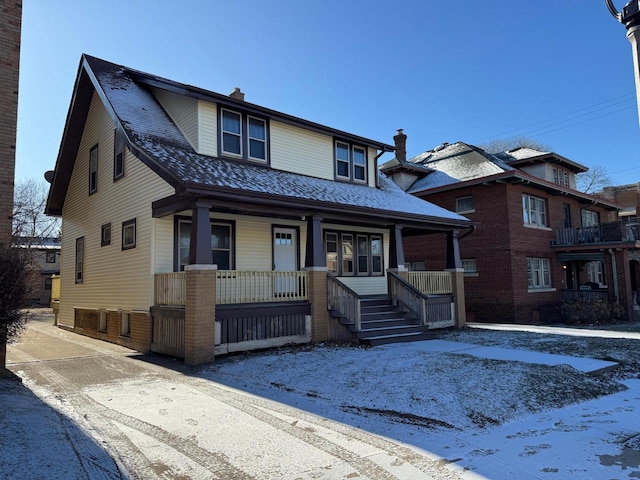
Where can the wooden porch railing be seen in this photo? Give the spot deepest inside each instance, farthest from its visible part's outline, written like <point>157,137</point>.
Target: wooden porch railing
<point>435,312</point>
<point>344,300</point>
<point>236,286</point>
<point>171,288</point>
<point>431,282</point>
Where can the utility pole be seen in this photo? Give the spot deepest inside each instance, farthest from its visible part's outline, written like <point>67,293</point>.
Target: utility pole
<point>630,18</point>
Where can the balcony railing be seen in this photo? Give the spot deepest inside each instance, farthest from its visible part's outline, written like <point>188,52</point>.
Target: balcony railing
<point>431,283</point>
<point>611,232</point>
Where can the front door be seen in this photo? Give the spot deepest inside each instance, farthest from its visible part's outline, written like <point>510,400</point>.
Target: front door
<point>285,258</point>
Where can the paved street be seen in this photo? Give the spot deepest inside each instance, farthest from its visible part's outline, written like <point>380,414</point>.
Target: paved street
<point>228,434</point>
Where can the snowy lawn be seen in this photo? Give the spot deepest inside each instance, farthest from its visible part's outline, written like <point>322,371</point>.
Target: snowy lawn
<point>406,384</point>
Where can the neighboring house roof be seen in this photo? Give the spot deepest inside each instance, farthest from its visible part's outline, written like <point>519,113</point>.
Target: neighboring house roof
<point>153,137</point>
<point>460,165</point>
<point>520,157</point>
<point>40,243</point>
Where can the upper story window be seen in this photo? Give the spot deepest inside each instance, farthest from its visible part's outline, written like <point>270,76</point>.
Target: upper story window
<point>351,162</point>
<point>93,170</point>
<point>464,204</point>
<point>534,210</point>
<point>561,177</point>
<point>589,218</point>
<point>118,156</point>
<point>50,257</point>
<point>243,136</point>
<point>105,235</point>
<point>469,265</point>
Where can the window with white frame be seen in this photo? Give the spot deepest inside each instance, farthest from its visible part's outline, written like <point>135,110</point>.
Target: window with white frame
<point>349,254</point>
<point>560,177</point>
<point>464,204</point>
<point>243,136</point>
<point>595,272</point>
<point>50,257</point>
<point>351,162</point>
<point>469,265</point>
<point>534,210</point>
<point>416,266</point>
<point>589,218</point>
<point>539,273</point>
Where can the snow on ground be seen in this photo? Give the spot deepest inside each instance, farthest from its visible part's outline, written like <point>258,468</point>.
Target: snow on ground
<point>38,442</point>
<point>498,419</point>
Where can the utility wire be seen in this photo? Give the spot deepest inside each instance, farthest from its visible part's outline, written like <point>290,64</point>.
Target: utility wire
<point>625,97</point>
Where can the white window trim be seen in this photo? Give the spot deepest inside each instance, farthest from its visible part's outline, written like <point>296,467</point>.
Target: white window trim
<point>351,165</point>
<point>469,210</point>
<point>535,212</point>
<point>543,262</point>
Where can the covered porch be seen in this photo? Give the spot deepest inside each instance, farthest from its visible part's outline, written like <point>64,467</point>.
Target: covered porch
<point>314,293</point>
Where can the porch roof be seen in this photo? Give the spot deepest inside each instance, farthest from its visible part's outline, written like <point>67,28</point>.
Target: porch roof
<point>153,137</point>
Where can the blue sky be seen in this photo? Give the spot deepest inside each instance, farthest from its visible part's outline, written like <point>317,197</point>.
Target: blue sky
<point>557,71</point>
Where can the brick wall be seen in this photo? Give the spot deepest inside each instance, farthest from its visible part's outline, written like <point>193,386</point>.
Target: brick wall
<point>87,322</point>
<point>500,245</point>
<point>10,25</point>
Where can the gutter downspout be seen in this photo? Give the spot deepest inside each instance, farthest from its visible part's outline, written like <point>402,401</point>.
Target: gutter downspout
<point>472,229</point>
<point>614,271</point>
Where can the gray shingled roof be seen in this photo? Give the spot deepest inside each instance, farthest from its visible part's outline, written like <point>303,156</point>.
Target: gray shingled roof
<point>458,162</point>
<point>150,129</point>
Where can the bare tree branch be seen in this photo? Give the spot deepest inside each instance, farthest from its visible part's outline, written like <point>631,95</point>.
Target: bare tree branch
<point>505,144</point>
<point>594,180</point>
<point>30,224</point>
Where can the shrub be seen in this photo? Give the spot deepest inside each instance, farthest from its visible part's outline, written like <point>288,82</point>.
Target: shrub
<point>599,312</point>
<point>14,293</point>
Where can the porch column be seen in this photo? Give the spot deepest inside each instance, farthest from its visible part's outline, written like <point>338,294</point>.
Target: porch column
<point>396,249</point>
<point>315,256</point>
<point>315,263</point>
<point>200,242</point>
<point>454,265</point>
<point>200,314</point>
<point>453,250</point>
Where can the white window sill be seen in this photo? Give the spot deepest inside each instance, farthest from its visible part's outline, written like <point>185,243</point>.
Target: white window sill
<point>463,212</point>
<point>536,227</point>
<point>471,274</point>
<point>540,290</point>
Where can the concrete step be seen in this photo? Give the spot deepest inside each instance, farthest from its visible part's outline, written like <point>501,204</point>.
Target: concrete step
<point>396,330</point>
<point>408,337</point>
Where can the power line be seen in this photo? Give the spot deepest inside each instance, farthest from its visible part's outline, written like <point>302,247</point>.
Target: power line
<point>570,114</point>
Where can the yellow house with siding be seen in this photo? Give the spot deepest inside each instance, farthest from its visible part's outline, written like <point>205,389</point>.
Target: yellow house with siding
<point>195,224</point>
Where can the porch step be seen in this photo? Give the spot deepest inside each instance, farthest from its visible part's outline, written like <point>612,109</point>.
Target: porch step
<point>382,322</point>
<point>406,337</point>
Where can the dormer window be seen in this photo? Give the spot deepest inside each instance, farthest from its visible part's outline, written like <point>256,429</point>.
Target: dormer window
<point>561,177</point>
<point>231,133</point>
<point>243,136</point>
<point>351,162</point>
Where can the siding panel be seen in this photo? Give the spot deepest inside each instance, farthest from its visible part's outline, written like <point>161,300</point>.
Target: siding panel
<point>208,128</point>
<point>113,278</point>
<point>183,111</point>
<point>296,150</point>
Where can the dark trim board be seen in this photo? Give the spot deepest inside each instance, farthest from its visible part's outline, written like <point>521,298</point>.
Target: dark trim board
<point>235,310</point>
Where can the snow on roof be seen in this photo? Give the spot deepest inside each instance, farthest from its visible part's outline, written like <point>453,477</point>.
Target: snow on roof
<point>150,128</point>
<point>455,163</point>
<point>521,153</point>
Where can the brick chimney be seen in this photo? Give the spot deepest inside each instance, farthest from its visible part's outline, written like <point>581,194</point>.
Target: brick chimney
<point>401,146</point>
<point>237,94</point>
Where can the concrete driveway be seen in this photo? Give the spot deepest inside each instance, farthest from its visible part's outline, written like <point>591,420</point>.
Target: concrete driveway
<point>229,435</point>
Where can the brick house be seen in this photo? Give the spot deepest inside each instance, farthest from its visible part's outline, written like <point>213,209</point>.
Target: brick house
<point>195,224</point>
<point>538,240</point>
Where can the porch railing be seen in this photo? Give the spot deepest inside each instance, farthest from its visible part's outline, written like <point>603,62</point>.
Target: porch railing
<point>431,282</point>
<point>344,300</point>
<point>435,312</point>
<point>604,233</point>
<point>171,288</point>
<point>584,296</point>
<point>237,286</point>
